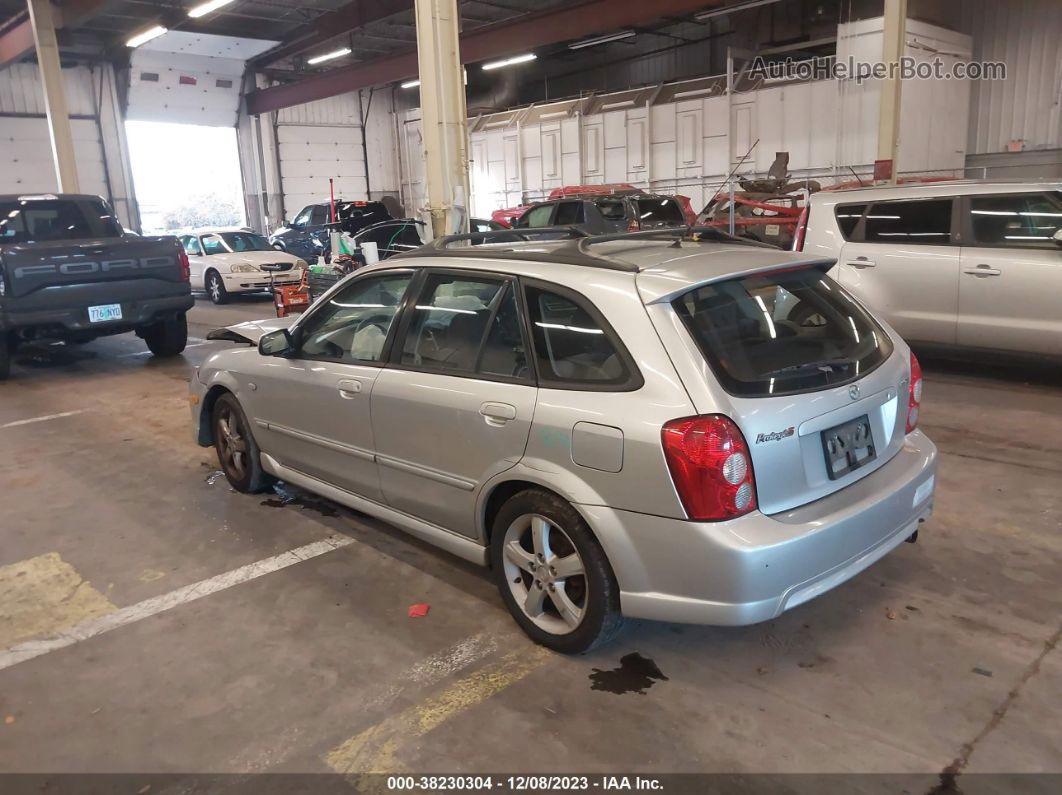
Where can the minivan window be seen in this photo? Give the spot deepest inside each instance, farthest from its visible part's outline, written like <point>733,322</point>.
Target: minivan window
<point>571,345</point>
<point>44,220</point>
<point>1017,220</point>
<point>569,213</point>
<point>848,216</point>
<point>782,332</point>
<point>660,212</point>
<point>925,222</point>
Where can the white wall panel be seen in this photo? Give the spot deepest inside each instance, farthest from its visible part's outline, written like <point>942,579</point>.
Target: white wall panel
<point>28,165</point>
<point>157,93</point>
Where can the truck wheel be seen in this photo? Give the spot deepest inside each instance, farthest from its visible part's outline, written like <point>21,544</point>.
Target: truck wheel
<point>7,353</point>
<point>215,287</point>
<point>168,337</point>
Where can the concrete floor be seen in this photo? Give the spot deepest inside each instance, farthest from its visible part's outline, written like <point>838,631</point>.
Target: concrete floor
<point>942,656</point>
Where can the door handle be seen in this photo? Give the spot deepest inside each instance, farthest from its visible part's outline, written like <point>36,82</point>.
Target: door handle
<point>983,270</point>
<point>349,388</point>
<point>497,414</point>
<point>861,262</point>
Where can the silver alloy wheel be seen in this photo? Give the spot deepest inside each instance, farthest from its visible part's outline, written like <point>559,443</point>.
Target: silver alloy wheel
<point>546,576</point>
<point>231,443</point>
<point>215,287</point>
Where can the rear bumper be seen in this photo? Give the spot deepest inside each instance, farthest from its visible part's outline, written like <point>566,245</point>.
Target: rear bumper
<point>139,312</point>
<point>754,568</point>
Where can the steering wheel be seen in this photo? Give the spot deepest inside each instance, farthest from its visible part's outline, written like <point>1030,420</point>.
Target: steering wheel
<point>380,321</point>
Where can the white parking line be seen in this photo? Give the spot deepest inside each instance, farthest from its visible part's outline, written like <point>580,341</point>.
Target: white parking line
<point>45,418</point>
<point>167,601</point>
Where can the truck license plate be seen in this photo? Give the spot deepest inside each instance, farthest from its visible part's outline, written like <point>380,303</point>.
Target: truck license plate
<point>101,314</point>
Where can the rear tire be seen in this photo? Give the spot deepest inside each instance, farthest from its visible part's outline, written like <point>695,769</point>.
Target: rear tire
<point>238,453</point>
<point>215,288</point>
<point>167,337</point>
<point>553,575</point>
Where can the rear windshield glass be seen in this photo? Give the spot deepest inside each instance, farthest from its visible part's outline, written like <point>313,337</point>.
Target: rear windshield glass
<point>43,220</point>
<point>783,332</point>
<point>659,211</point>
<point>612,210</point>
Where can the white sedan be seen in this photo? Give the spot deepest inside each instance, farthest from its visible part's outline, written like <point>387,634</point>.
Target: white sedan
<point>237,261</point>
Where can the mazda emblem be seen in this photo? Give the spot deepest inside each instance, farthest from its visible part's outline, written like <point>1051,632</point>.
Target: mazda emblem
<point>853,391</point>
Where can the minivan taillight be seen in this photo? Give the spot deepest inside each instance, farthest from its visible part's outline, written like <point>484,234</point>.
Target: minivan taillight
<point>183,265</point>
<point>710,466</point>
<point>801,228</point>
<point>914,394</point>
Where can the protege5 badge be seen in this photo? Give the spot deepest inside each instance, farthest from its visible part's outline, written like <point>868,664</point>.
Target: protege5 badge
<point>774,436</point>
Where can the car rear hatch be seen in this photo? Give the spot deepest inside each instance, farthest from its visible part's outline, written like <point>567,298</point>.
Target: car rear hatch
<point>811,379</point>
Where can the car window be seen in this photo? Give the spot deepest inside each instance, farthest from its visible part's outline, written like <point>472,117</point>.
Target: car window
<point>353,323</point>
<point>212,245</point>
<point>41,220</point>
<point>245,241</point>
<point>925,222</point>
<point>449,322</point>
<point>191,246</point>
<point>569,213</point>
<point>319,215</point>
<point>782,332</point>
<point>303,218</point>
<point>572,346</point>
<point>504,353</point>
<point>537,216</point>
<point>1020,220</point>
<point>662,212</point>
<point>612,210</point>
<point>848,216</point>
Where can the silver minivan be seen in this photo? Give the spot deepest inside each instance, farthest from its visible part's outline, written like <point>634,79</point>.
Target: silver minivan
<point>624,425</point>
<point>970,264</point>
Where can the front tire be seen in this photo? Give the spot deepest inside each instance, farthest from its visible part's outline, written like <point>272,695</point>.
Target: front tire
<point>553,575</point>
<point>215,288</point>
<point>167,337</point>
<point>238,453</point>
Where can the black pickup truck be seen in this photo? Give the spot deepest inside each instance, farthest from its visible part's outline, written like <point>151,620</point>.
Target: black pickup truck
<point>69,272</point>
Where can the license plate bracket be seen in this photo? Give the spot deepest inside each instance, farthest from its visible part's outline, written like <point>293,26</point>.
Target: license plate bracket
<point>848,446</point>
<point>105,313</point>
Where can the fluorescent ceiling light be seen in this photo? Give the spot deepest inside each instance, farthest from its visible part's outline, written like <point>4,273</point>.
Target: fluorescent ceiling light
<point>553,114</point>
<point>328,56</point>
<point>203,9</point>
<point>718,12</point>
<point>699,92</point>
<point>627,103</point>
<point>411,84</point>
<point>509,61</point>
<point>627,34</point>
<point>145,36</point>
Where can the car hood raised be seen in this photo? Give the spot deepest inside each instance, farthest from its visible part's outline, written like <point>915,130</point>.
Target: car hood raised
<point>251,331</point>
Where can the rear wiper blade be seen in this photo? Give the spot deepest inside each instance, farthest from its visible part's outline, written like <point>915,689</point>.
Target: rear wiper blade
<point>827,365</point>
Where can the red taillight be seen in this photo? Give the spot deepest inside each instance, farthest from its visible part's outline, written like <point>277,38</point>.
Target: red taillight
<point>801,228</point>
<point>710,466</point>
<point>914,394</point>
<point>183,265</point>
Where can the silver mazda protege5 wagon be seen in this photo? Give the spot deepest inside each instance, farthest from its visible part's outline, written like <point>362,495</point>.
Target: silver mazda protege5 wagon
<point>623,425</point>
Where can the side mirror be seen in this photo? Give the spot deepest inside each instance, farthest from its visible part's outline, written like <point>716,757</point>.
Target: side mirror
<point>276,343</point>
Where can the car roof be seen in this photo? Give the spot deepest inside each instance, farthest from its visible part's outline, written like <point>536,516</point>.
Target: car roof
<point>663,269</point>
<point>937,188</point>
<point>46,196</point>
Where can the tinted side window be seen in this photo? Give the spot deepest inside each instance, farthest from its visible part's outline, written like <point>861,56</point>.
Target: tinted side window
<point>504,353</point>
<point>56,219</point>
<point>569,213</point>
<point>319,215</point>
<point>612,210</point>
<point>848,216</point>
<point>537,216</point>
<point>352,327</point>
<point>925,222</point>
<point>572,346</point>
<point>1022,220</point>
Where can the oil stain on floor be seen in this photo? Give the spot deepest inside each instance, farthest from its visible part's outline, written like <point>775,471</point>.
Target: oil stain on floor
<point>286,496</point>
<point>634,675</point>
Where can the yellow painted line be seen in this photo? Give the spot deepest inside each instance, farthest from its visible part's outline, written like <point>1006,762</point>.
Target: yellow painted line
<point>44,596</point>
<point>375,750</point>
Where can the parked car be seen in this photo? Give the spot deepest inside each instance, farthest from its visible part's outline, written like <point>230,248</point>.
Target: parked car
<point>306,235</point>
<point>622,425</point>
<point>227,261</point>
<point>508,216</point>
<point>597,215</point>
<point>68,272</point>
<point>972,264</point>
